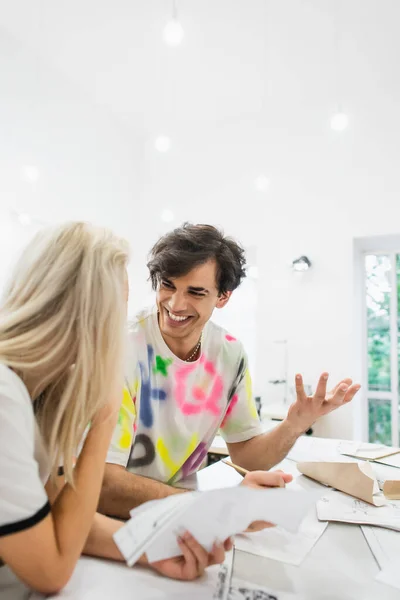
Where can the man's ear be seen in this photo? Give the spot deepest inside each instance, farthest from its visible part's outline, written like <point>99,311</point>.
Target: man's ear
<point>223,299</point>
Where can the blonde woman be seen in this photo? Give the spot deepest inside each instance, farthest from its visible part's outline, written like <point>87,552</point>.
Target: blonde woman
<point>62,327</point>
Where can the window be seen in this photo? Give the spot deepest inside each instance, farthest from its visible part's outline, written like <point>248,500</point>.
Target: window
<point>382,279</point>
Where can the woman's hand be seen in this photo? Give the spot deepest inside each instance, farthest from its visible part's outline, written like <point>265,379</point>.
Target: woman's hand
<point>194,560</point>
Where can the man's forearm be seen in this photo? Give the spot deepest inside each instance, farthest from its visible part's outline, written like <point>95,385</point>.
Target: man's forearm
<point>122,491</point>
<point>266,450</point>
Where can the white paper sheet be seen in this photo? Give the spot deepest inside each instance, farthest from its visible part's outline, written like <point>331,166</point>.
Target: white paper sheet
<point>391,461</point>
<point>313,448</point>
<point>219,514</point>
<point>212,515</point>
<point>390,574</point>
<point>337,506</point>
<point>281,545</point>
<point>366,451</point>
<point>95,579</point>
<point>384,544</point>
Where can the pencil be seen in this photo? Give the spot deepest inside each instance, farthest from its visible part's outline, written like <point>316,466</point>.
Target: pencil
<point>236,467</point>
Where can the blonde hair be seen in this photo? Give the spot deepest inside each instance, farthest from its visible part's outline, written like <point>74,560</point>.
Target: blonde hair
<point>62,324</point>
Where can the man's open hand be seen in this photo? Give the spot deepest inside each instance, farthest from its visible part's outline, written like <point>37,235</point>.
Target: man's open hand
<point>307,409</point>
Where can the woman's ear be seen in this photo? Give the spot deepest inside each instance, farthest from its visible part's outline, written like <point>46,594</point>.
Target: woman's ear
<point>223,299</point>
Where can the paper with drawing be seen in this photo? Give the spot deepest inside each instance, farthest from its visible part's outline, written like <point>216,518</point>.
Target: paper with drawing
<point>356,479</point>
<point>337,506</point>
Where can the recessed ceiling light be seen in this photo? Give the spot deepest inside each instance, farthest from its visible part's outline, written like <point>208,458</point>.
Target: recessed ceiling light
<point>262,183</point>
<point>339,121</point>
<point>167,215</point>
<point>162,143</point>
<point>173,32</point>
<point>30,173</point>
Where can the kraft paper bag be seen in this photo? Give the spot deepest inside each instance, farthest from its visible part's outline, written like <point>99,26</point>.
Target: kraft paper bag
<point>391,489</point>
<point>355,479</point>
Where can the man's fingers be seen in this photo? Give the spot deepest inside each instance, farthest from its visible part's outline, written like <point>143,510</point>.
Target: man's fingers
<point>347,381</point>
<point>351,392</point>
<point>258,526</point>
<point>320,392</point>
<point>301,395</point>
<point>343,395</point>
<point>228,544</point>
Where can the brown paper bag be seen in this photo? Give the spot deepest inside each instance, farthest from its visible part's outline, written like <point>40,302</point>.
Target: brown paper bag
<point>355,479</point>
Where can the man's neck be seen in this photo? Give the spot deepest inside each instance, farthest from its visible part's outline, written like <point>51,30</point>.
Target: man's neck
<point>182,348</point>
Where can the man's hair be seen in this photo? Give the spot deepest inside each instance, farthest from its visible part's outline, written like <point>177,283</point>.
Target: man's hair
<point>187,247</point>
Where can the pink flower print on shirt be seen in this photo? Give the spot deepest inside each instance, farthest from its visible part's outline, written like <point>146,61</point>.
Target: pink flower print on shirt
<point>230,338</point>
<point>204,402</point>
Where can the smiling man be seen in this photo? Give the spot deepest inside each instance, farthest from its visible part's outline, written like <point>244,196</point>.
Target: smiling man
<point>187,378</point>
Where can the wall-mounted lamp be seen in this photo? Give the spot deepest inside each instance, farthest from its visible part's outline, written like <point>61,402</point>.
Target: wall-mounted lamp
<point>301,264</point>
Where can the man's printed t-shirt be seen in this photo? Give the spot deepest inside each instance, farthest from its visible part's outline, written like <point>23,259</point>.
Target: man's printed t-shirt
<point>172,409</point>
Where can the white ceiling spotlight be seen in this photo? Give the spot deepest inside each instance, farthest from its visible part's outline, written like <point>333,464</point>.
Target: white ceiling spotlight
<point>162,143</point>
<point>30,173</point>
<point>262,183</point>
<point>167,215</point>
<point>301,264</point>
<point>173,30</point>
<point>339,121</point>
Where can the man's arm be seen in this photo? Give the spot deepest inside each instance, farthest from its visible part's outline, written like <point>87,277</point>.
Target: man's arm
<point>268,449</point>
<point>122,491</point>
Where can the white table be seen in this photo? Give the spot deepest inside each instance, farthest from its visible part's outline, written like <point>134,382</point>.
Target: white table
<point>339,567</point>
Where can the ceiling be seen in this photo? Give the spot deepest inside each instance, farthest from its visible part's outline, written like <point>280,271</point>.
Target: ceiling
<point>250,90</point>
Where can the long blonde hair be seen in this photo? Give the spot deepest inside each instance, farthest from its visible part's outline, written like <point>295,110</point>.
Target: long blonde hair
<point>62,325</point>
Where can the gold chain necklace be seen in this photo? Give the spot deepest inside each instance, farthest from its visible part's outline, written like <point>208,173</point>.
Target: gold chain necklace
<point>194,351</point>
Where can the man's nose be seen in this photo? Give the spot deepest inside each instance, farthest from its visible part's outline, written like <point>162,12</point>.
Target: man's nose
<point>177,302</point>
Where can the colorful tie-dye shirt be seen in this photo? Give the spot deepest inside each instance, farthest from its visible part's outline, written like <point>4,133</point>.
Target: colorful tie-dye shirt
<point>172,409</point>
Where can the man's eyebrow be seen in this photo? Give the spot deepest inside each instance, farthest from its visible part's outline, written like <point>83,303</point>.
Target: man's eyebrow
<point>197,289</point>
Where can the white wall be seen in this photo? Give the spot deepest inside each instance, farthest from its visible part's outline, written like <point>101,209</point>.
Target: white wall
<point>89,165</point>
<point>318,311</point>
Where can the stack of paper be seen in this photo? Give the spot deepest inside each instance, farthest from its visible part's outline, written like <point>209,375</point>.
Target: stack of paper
<point>215,515</point>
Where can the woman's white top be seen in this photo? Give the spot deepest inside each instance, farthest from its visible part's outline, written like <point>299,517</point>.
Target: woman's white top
<point>24,469</point>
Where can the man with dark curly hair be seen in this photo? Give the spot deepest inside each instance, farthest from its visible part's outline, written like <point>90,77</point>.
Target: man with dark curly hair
<point>187,378</point>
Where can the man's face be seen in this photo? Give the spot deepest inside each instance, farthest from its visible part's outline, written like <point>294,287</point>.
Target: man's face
<point>186,303</point>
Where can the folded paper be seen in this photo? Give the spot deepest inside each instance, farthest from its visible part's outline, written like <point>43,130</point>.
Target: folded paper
<point>355,479</point>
